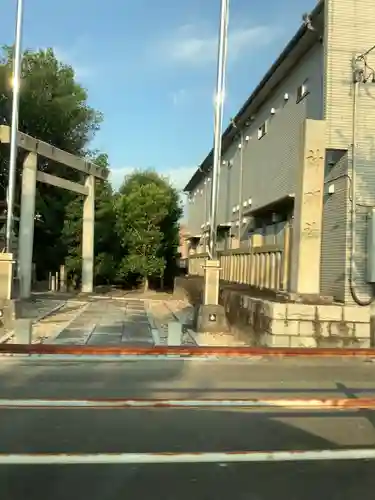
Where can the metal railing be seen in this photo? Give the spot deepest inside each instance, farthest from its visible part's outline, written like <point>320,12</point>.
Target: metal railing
<point>196,263</point>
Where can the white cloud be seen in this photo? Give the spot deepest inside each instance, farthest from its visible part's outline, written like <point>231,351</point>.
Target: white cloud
<point>73,58</point>
<point>192,45</point>
<point>179,176</point>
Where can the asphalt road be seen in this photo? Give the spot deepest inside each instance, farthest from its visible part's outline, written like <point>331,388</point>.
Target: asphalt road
<point>23,431</point>
<point>328,481</point>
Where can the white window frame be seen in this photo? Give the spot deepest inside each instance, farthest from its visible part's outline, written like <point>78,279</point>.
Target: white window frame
<point>303,90</point>
<point>262,130</point>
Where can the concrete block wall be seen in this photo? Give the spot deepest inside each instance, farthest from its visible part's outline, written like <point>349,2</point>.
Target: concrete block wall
<point>268,323</point>
<point>276,324</point>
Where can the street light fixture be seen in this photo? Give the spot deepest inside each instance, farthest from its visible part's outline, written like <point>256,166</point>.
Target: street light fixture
<point>16,80</point>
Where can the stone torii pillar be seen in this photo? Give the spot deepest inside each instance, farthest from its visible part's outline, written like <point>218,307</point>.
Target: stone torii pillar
<point>26,231</point>
<point>88,236</point>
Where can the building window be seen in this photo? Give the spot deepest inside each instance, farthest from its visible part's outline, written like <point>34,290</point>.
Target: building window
<point>262,130</point>
<point>302,90</point>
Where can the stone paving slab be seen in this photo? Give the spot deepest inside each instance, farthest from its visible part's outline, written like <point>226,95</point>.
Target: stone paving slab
<point>109,322</point>
<point>137,328</point>
<point>38,308</point>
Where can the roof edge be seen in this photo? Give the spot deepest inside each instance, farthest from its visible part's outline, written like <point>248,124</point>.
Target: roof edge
<point>282,57</point>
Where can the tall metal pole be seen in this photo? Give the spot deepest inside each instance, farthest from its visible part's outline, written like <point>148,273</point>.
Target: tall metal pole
<point>218,123</point>
<point>240,189</point>
<point>14,125</point>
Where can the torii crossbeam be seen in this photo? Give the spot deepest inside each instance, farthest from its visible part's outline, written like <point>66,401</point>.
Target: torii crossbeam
<point>30,176</point>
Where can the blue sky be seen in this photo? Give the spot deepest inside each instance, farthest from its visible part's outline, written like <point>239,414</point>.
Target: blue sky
<point>149,66</point>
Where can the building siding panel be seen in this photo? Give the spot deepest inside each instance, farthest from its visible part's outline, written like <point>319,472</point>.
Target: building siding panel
<point>348,32</point>
<point>270,163</point>
<point>196,210</point>
<point>333,270</point>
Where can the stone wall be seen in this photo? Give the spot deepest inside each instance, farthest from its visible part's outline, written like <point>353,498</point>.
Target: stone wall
<point>262,321</point>
<point>275,324</point>
<point>8,311</point>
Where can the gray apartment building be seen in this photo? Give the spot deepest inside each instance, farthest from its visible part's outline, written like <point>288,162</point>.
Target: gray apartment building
<point>300,156</point>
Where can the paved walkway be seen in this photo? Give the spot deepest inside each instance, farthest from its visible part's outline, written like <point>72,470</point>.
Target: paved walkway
<point>117,319</point>
<point>109,322</point>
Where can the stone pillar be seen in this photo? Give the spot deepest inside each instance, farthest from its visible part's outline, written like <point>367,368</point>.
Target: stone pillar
<point>6,276</point>
<point>211,282</point>
<point>26,233</point>
<point>63,284</point>
<point>307,223</point>
<point>235,243</point>
<point>53,282</point>
<point>88,237</point>
<point>210,317</point>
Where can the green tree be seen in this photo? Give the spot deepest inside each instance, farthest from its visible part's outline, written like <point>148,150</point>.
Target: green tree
<point>53,108</point>
<point>148,212</point>
<point>106,244</point>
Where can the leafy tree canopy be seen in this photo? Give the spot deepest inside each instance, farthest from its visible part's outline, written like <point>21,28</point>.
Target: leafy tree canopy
<point>53,108</point>
<point>148,212</point>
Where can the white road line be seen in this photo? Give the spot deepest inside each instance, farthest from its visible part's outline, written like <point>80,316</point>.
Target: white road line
<point>188,458</point>
<point>336,404</point>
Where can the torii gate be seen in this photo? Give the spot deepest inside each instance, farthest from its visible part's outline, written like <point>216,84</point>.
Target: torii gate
<point>30,176</point>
